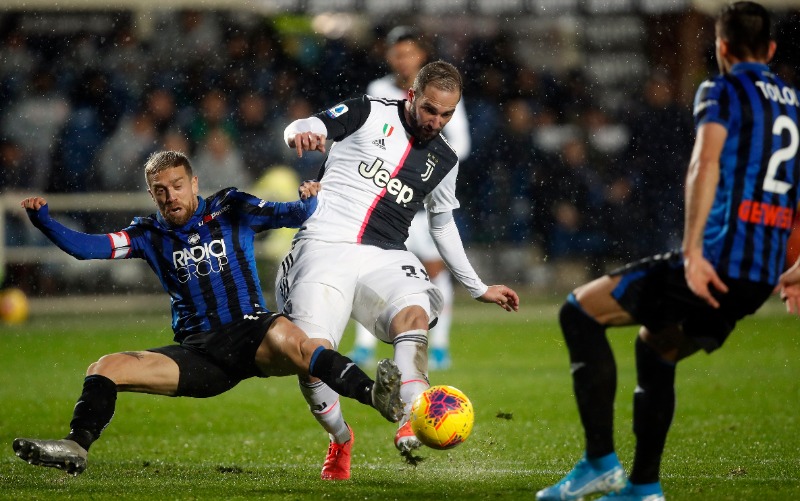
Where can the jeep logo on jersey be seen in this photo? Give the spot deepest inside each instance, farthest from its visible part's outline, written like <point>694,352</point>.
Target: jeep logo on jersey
<point>200,260</point>
<point>383,179</point>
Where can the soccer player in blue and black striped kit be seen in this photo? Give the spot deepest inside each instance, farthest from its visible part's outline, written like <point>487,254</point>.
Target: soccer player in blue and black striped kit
<point>741,194</point>
<point>202,251</point>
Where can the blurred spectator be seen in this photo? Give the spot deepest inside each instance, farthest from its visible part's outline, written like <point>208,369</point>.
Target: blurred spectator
<point>174,140</point>
<point>185,37</point>
<point>34,121</point>
<point>17,63</point>
<point>578,196</point>
<point>508,197</point>
<point>622,221</point>
<point>529,175</point>
<point>214,113</point>
<point>93,118</point>
<point>252,124</point>
<point>219,164</point>
<point>80,55</point>
<point>268,56</point>
<point>160,105</point>
<point>118,164</point>
<point>575,96</point>
<point>128,64</point>
<point>18,171</point>
<point>659,154</point>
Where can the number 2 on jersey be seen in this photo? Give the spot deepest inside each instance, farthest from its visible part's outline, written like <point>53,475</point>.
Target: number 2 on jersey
<point>782,155</point>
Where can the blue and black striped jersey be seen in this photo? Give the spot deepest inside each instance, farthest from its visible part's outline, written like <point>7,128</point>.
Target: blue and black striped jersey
<point>208,265</point>
<point>751,217</point>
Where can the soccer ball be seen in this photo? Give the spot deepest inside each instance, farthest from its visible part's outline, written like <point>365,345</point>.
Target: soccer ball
<point>13,306</point>
<point>442,417</point>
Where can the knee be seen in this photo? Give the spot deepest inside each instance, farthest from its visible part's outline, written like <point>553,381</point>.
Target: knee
<point>309,345</point>
<point>105,366</point>
<point>669,345</point>
<point>409,318</point>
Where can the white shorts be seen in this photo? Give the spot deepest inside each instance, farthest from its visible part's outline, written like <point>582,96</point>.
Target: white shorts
<point>321,285</point>
<point>420,241</point>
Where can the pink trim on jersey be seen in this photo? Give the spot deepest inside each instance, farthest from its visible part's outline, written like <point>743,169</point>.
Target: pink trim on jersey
<point>383,192</point>
<point>120,244</point>
<point>414,381</point>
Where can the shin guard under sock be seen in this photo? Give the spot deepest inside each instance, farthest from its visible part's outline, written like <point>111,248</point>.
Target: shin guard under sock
<point>653,409</point>
<point>594,376</point>
<point>93,411</point>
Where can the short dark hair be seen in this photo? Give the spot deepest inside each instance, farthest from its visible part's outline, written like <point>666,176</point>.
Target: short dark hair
<point>163,160</point>
<point>746,28</point>
<point>441,75</point>
<point>401,34</point>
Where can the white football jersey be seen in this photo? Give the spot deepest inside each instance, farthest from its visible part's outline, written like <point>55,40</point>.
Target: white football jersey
<point>378,175</point>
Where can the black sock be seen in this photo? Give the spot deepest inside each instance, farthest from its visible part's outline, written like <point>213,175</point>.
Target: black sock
<point>594,377</point>
<point>342,375</point>
<point>653,408</point>
<point>94,410</point>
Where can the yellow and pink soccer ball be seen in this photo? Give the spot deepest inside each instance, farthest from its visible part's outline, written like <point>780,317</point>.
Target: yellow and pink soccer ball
<point>442,417</point>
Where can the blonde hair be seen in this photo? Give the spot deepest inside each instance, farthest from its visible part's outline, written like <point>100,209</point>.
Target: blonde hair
<point>163,160</point>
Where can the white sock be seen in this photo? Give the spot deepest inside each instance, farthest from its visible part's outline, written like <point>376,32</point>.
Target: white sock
<point>411,357</point>
<point>439,336</point>
<point>324,405</point>
<point>364,338</point>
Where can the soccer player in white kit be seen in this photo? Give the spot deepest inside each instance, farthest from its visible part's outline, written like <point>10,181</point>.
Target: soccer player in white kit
<point>406,54</point>
<point>388,160</point>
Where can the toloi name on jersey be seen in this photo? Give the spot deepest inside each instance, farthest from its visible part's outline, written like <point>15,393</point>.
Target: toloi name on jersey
<point>383,179</point>
<point>200,260</point>
<point>785,95</point>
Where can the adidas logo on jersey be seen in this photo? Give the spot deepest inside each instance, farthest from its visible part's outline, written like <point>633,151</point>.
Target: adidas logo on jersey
<point>379,143</point>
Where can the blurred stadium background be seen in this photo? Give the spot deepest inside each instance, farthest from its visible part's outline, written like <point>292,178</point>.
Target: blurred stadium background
<point>580,115</point>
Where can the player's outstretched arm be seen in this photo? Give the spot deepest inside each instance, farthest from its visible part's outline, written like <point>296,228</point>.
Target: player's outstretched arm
<point>76,244</point>
<point>503,296</point>
<point>789,285</point>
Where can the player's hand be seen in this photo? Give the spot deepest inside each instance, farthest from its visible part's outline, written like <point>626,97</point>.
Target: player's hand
<point>700,274</point>
<point>789,286</point>
<point>33,203</point>
<point>307,141</point>
<point>309,189</point>
<point>503,296</point>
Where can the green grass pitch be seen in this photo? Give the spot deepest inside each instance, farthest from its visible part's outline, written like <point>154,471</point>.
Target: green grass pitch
<point>736,434</point>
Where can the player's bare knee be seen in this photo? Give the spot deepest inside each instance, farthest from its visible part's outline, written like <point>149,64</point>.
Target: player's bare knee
<point>109,365</point>
<point>409,318</point>
<point>670,343</point>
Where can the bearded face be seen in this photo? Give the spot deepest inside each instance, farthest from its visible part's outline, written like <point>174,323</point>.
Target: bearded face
<point>175,194</point>
<point>429,111</point>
